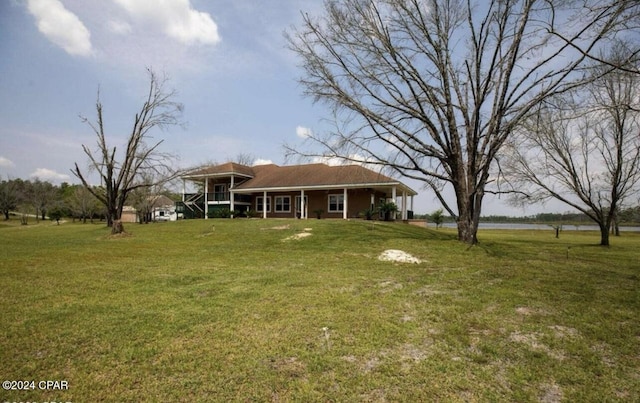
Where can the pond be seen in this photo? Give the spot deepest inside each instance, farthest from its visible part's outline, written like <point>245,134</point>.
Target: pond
<point>524,226</point>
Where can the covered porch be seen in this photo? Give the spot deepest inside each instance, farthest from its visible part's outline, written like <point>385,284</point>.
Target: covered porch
<point>326,202</point>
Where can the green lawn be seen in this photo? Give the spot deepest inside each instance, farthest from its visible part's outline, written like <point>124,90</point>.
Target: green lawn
<point>232,310</point>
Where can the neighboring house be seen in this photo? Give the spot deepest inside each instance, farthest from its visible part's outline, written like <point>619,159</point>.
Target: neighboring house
<point>295,191</point>
<point>161,208</point>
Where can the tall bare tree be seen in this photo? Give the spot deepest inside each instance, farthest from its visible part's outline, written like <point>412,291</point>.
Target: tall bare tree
<point>122,173</point>
<point>433,88</point>
<point>583,150</point>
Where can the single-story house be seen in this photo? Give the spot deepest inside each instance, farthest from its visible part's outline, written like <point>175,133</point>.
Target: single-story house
<point>293,191</point>
<point>159,208</point>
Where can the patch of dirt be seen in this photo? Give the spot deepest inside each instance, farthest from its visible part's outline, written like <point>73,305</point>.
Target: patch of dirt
<point>279,227</point>
<point>563,332</point>
<point>389,285</point>
<point>428,291</point>
<point>406,318</point>
<point>298,236</point>
<point>370,364</point>
<point>375,395</point>
<point>289,365</point>
<point>121,235</point>
<point>528,311</point>
<point>406,355</point>
<point>399,256</point>
<point>532,341</point>
<point>409,352</point>
<point>604,351</point>
<point>550,393</point>
<point>364,365</point>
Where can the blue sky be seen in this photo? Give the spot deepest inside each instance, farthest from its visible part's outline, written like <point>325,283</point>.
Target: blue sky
<point>227,60</point>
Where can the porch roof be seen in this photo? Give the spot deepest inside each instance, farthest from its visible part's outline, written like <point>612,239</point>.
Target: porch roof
<point>227,169</point>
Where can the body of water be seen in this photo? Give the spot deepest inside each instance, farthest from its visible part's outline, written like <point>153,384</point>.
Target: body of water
<point>523,226</point>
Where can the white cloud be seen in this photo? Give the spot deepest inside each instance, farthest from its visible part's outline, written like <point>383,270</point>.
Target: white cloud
<point>49,175</point>
<point>176,18</point>
<point>6,162</point>
<point>261,161</point>
<point>61,26</point>
<point>351,159</point>
<point>303,132</point>
<point>119,27</point>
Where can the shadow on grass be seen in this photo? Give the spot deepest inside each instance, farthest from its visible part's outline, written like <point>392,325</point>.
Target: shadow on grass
<point>400,230</point>
<point>528,248</point>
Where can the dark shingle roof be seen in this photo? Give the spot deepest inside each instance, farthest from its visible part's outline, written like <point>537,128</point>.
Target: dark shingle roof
<point>273,176</point>
<point>264,177</point>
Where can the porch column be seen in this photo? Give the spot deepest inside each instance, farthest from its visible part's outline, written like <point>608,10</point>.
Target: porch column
<point>303,206</point>
<point>184,189</point>
<point>345,205</point>
<point>264,204</point>
<point>206,200</point>
<point>394,196</point>
<point>411,204</point>
<point>373,201</point>
<point>404,205</point>
<point>232,206</point>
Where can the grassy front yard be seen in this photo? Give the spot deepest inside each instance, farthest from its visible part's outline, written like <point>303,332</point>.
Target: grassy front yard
<point>249,310</point>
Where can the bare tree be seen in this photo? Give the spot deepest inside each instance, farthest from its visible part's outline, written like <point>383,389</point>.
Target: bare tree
<point>42,195</point>
<point>433,88</point>
<point>244,159</point>
<point>121,174</point>
<point>583,151</point>
<point>144,198</point>
<point>83,203</point>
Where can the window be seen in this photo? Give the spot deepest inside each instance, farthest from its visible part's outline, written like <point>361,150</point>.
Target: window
<point>259,204</point>
<point>336,203</point>
<point>283,204</point>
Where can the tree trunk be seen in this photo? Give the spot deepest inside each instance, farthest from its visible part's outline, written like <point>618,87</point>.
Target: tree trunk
<point>117,227</point>
<point>467,229</point>
<point>604,235</point>
<point>615,227</point>
<point>469,206</point>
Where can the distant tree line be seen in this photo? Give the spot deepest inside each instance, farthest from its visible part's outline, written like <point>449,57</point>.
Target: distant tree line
<point>41,200</point>
<point>628,216</point>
